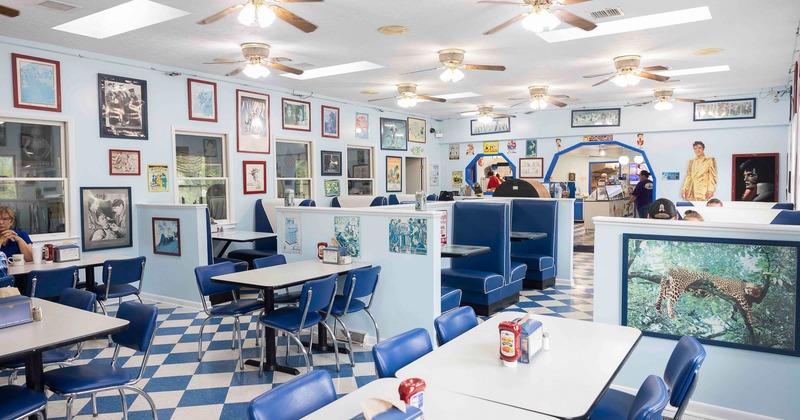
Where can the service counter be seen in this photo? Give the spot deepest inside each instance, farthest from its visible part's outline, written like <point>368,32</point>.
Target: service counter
<point>610,208</point>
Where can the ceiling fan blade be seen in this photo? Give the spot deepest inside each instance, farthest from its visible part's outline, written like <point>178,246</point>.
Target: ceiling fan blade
<point>7,11</point>
<point>568,2</point>
<point>469,113</point>
<point>420,71</point>
<point>503,2</point>
<point>654,68</point>
<point>297,1</point>
<point>237,71</point>
<point>688,100</point>
<point>605,80</point>
<point>598,75</point>
<point>484,67</point>
<point>220,15</point>
<point>281,67</point>
<point>652,76</point>
<point>509,22</point>
<point>558,96</point>
<point>224,61</point>
<point>381,99</point>
<point>293,19</point>
<point>431,98</point>
<point>503,116</point>
<point>555,102</point>
<point>520,103</point>
<point>574,20</point>
<point>641,103</point>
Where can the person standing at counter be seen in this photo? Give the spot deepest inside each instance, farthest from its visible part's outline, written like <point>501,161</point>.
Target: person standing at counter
<point>13,241</point>
<point>494,181</point>
<point>642,195</point>
<point>701,175</point>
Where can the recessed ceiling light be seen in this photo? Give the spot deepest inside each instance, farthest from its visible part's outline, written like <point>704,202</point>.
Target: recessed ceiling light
<point>393,30</point>
<point>334,70</point>
<point>459,95</point>
<point>117,20</point>
<point>697,70</point>
<point>658,20</point>
<point>708,51</point>
<point>369,92</point>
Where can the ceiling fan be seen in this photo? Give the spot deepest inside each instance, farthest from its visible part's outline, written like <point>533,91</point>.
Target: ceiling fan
<point>543,16</point>
<point>7,11</point>
<point>486,114</point>
<point>664,99</point>
<point>255,54</point>
<point>263,13</point>
<point>408,96</point>
<point>539,98</point>
<point>628,72</point>
<point>452,60</point>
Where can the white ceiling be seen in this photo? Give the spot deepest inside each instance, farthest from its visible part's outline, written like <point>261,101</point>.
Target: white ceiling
<point>758,39</point>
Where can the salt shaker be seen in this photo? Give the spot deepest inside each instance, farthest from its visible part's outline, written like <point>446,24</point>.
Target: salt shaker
<point>36,311</point>
<point>420,201</point>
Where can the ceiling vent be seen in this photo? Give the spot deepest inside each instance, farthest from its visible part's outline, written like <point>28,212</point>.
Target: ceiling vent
<point>610,12</point>
<point>57,5</point>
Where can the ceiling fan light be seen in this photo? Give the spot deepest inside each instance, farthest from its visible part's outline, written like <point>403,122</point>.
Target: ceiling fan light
<point>623,160</point>
<point>451,74</point>
<point>255,71</point>
<point>632,80</point>
<point>620,81</point>
<point>248,14</point>
<point>265,16</point>
<point>485,119</point>
<point>602,152</point>
<point>663,105</point>
<point>638,159</point>
<point>406,102</point>
<point>539,21</point>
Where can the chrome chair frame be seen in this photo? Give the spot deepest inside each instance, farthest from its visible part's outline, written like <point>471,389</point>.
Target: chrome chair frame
<point>107,282</point>
<point>338,318</point>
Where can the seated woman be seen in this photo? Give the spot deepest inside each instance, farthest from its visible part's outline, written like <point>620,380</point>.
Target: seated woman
<point>13,241</point>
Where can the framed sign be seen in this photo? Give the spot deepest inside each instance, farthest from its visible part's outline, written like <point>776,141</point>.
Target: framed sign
<point>416,130</point>
<point>394,173</point>
<point>255,177</point>
<point>105,218</point>
<point>252,122</point>
<point>330,122</point>
<point>595,117</point>
<point>296,115</point>
<point>202,100</point>
<point>332,188</point>
<point>531,168</point>
<point>157,178</point>
<point>124,162</point>
<point>393,134</point>
<point>167,236</point>
<point>331,163</point>
<point>498,125</point>
<point>736,109</point>
<point>37,83</point>
<point>755,177</point>
<point>123,107</point>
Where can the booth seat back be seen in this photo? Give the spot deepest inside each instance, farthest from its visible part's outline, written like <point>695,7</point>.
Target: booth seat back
<point>484,224</point>
<point>535,216</point>
<point>265,218</point>
<point>783,206</point>
<point>399,198</point>
<point>359,201</point>
<point>787,217</point>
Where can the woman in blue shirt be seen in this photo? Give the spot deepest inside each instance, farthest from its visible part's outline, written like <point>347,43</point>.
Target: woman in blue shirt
<point>13,241</point>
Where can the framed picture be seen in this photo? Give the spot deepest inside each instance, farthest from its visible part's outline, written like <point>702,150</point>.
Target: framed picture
<point>37,146</point>
<point>123,107</point>
<point>595,117</point>
<point>211,147</point>
<point>297,115</point>
<point>755,177</point>
<point>394,173</point>
<point>531,148</point>
<point>106,218</point>
<point>167,236</point>
<point>361,171</point>
<point>332,188</point>
<point>330,122</point>
<point>157,178</point>
<point>255,177</point>
<point>37,83</point>
<point>737,109</point>
<point>416,130</point>
<point>393,134</point>
<point>8,189</point>
<point>202,100</point>
<point>531,168</point>
<point>716,290</point>
<point>124,162</point>
<point>433,176</point>
<point>454,151</point>
<point>362,125</point>
<point>491,147</point>
<point>331,163</point>
<point>498,125</point>
<point>252,122</point>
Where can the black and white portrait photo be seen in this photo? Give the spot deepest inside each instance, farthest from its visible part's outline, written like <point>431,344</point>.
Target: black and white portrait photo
<point>105,218</point>
<point>123,107</point>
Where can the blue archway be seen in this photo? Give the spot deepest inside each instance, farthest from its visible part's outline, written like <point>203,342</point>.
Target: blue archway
<point>471,176</point>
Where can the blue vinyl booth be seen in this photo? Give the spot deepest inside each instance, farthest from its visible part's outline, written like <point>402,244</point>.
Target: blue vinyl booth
<point>486,280</point>
<point>539,255</point>
<point>377,201</point>
<point>262,247</point>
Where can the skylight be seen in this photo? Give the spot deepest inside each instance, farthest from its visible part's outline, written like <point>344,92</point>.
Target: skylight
<point>117,20</point>
<point>334,70</point>
<point>697,70</point>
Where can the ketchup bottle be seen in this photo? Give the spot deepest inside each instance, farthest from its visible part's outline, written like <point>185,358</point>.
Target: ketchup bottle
<point>411,391</point>
<point>509,342</point>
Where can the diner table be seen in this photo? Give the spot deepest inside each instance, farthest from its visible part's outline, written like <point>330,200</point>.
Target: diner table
<point>458,251</point>
<point>281,276</point>
<point>88,262</point>
<point>564,382</point>
<point>230,236</point>
<point>438,403</point>
<point>519,236</point>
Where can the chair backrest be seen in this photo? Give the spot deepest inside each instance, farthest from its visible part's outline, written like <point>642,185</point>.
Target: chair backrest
<point>294,399</point>
<point>204,273</point>
<point>335,202</point>
<point>684,204</point>
<point>322,292</point>
<point>451,324</point>
<point>395,353</point>
<point>432,197</point>
<point>51,283</point>
<point>393,200</point>
<point>123,271</point>
<point>379,201</point>
<point>7,281</point>
<point>362,281</point>
<point>787,217</point>
<point>535,216</point>
<point>471,226</point>
<point>142,327</point>
<point>308,203</point>
<point>650,401</point>
<point>681,371</point>
<point>78,299</point>
<point>269,261</point>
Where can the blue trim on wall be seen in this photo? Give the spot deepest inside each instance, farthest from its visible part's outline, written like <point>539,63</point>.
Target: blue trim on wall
<point>470,175</point>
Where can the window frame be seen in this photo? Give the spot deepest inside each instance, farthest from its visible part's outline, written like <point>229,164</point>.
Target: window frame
<point>226,167</point>
<point>311,165</point>
<point>371,167</point>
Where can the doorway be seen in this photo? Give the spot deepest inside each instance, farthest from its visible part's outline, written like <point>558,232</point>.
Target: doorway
<point>415,174</point>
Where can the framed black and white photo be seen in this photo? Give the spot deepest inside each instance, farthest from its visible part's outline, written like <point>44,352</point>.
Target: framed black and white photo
<point>106,218</point>
<point>255,177</point>
<point>497,125</point>
<point>393,134</point>
<point>167,236</point>
<point>252,122</point>
<point>531,168</point>
<point>296,115</point>
<point>123,107</point>
<point>124,162</point>
<point>330,122</point>
<point>595,117</point>
<point>331,163</point>
<point>737,109</point>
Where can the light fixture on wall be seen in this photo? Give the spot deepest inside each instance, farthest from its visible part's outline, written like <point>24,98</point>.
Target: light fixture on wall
<point>638,159</point>
<point>602,152</point>
<point>255,12</point>
<point>623,160</point>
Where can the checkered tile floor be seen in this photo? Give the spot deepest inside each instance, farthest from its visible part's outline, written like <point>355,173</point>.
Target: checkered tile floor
<point>215,388</point>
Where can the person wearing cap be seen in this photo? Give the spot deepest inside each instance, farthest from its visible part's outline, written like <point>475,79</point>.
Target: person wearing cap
<point>701,175</point>
<point>663,209</point>
<point>642,195</point>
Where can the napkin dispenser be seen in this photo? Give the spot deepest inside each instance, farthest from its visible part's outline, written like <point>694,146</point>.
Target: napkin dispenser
<point>63,253</point>
<point>330,255</point>
<point>15,310</point>
<point>531,338</point>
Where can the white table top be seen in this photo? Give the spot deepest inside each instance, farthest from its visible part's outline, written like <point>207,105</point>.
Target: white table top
<point>90,259</point>
<point>438,404</point>
<point>241,235</point>
<point>564,382</point>
<point>60,325</point>
<point>286,275</point>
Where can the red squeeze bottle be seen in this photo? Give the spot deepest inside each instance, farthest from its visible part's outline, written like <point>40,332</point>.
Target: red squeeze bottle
<point>509,342</point>
<point>411,391</point>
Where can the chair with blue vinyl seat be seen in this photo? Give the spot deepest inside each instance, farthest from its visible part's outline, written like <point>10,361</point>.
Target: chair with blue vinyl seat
<point>360,284</point>
<point>261,247</point>
<point>234,308</point>
<point>122,277</point>
<point>18,402</point>
<point>451,298</point>
<point>540,255</point>
<point>308,203</point>
<point>316,296</point>
<point>7,281</point>
<point>648,404</point>
<point>454,323</point>
<point>71,382</point>
<point>294,399</point>
<point>49,284</point>
<point>289,297</point>
<point>680,376</point>
<point>396,352</point>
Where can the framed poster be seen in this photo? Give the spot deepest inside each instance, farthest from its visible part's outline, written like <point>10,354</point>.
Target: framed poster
<point>723,291</point>
<point>123,107</point>
<point>157,178</point>
<point>393,134</point>
<point>37,146</point>
<point>491,147</point>
<point>37,83</point>
<point>296,115</point>
<point>330,122</point>
<point>531,168</point>
<point>755,177</point>
<point>738,109</point>
<point>255,177</point>
<point>252,122</point>
<point>361,171</point>
<point>202,100</point>
<point>454,152</point>
<point>105,218</point>
<point>394,173</point>
<point>595,117</point>
<point>434,176</point>
<point>531,147</point>
<point>498,125</point>
<point>167,236</point>
<point>332,188</point>
<point>416,130</point>
<point>362,125</point>
<point>331,163</point>
<point>124,162</point>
